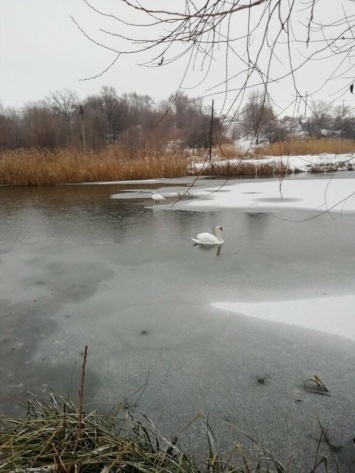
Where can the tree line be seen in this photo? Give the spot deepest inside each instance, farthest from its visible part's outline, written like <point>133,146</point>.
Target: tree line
<point>259,120</point>
<point>132,120</point>
<point>136,121</point>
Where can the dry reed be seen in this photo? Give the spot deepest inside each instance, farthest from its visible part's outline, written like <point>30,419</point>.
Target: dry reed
<point>34,166</point>
<point>60,166</point>
<point>46,440</point>
<point>55,436</point>
<point>228,151</point>
<point>307,146</point>
<point>244,168</point>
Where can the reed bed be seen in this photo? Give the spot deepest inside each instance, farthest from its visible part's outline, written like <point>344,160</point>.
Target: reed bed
<point>61,166</point>
<point>244,168</point>
<point>223,166</point>
<point>25,167</point>
<point>229,151</point>
<point>307,146</point>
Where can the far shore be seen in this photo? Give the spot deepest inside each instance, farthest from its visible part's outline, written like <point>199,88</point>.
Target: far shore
<point>42,166</point>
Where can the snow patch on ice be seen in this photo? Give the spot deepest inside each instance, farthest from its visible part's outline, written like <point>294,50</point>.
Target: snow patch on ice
<point>315,194</point>
<point>332,315</point>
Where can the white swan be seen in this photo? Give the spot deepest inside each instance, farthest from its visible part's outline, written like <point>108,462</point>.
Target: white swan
<point>187,194</point>
<point>157,197</point>
<point>209,239</point>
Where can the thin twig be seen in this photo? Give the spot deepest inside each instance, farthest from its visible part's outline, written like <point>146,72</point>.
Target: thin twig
<point>81,397</point>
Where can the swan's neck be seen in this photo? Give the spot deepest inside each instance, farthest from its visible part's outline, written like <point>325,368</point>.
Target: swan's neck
<point>218,234</point>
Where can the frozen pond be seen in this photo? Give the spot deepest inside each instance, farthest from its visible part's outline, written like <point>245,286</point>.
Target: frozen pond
<point>233,333</point>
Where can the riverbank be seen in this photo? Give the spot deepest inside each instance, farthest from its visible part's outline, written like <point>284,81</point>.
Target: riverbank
<point>54,436</point>
<point>36,167</point>
<point>276,165</point>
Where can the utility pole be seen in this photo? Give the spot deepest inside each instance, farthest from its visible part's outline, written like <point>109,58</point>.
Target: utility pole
<point>81,111</point>
<point>305,102</point>
<point>211,131</point>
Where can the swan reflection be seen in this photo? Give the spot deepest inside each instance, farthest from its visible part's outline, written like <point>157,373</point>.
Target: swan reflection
<point>217,248</point>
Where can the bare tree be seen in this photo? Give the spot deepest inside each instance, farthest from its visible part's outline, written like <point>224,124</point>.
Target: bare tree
<point>258,117</point>
<point>112,112</point>
<point>39,126</point>
<point>343,121</point>
<point>95,122</point>
<point>255,43</point>
<point>11,135</point>
<point>63,102</point>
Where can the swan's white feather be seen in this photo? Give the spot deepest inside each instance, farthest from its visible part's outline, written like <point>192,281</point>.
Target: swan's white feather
<point>208,238</point>
<point>157,197</point>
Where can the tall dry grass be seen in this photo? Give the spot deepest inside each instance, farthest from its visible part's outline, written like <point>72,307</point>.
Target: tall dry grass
<point>307,146</point>
<point>228,151</point>
<point>243,168</point>
<point>55,436</point>
<point>61,166</point>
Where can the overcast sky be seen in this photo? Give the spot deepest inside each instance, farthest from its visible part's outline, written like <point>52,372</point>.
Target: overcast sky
<point>42,50</point>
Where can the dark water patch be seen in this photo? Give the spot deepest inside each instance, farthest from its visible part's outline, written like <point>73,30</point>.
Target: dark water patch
<point>277,199</point>
<point>25,368</point>
<point>20,334</point>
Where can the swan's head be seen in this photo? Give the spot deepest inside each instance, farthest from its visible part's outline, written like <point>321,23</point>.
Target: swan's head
<point>219,228</point>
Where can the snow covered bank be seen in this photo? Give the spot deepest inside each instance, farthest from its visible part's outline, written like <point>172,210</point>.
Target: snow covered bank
<point>303,163</point>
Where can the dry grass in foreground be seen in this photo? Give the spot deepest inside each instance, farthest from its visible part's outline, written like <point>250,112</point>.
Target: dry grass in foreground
<point>56,437</point>
<point>61,166</point>
<point>307,146</point>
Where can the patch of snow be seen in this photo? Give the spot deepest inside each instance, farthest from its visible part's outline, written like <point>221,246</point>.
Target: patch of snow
<point>333,315</point>
<point>297,162</point>
<point>245,144</point>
